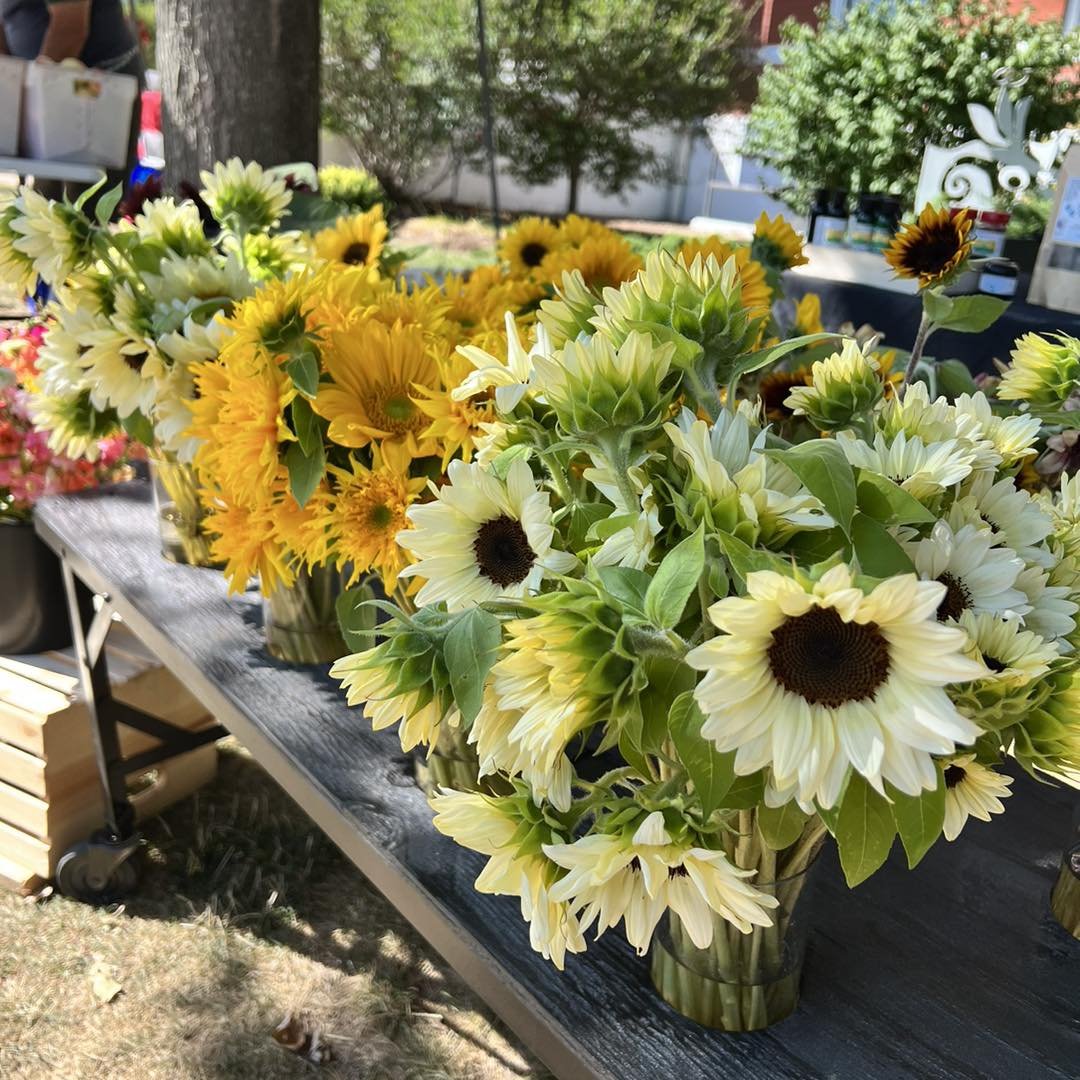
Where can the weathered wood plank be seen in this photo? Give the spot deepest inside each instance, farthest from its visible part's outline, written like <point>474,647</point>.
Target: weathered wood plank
<point>952,971</point>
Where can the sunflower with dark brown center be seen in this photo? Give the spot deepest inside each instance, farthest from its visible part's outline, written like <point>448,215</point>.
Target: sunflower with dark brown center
<point>811,679</point>
<point>502,551</point>
<point>933,249</point>
<point>774,389</point>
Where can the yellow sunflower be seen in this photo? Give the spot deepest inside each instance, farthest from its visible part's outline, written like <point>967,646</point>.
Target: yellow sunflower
<point>238,413</point>
<point>422,306</point>
<point>777,244</point>
<point>808,316</point>
<point>601,261</point>
<point>574,230</point>
<point>366,513</point>
<point>756,292</point>
<point>374,372</point>
<point>456,425</point>
<point>356,240</point>
<point>525,246</point>
<point>246,543</point>
<point>773,391</point>
<point>479,302</point>
<point>302,530</point>
<point>933,249</point>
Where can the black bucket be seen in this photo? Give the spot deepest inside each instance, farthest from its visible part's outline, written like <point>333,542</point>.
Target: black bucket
<point>33,608</point>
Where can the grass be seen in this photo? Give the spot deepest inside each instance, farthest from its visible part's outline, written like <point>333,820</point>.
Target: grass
<point>245,913</point>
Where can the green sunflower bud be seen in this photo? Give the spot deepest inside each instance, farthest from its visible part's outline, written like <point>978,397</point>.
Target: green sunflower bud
<point>844,387</point>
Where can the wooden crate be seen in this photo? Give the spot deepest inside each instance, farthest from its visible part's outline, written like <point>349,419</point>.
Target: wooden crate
<point>50,792</point>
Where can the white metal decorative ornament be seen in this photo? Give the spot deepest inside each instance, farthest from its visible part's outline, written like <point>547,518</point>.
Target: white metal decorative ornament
<point>956,172</point>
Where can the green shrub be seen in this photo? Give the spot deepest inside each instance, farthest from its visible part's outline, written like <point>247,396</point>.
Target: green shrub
<point>354,188</point>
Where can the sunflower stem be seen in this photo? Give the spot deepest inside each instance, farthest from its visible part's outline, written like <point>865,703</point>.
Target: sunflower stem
<point>706,395</point>
<point>926,328</point>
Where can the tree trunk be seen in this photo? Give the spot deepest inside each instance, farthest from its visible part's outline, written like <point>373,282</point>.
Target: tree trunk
<point>574,172</point>
<point>238,79</point>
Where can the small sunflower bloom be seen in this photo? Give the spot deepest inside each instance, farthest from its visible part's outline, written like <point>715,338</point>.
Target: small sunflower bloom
<point>1044,371</point>
<point>357,240</point>
<point>932,249</point>
<point>842,388</point>
<point>525,246</point>
<point>776,243</point>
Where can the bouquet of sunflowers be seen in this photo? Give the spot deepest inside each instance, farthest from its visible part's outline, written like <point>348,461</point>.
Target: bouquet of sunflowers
<point>689,641</point>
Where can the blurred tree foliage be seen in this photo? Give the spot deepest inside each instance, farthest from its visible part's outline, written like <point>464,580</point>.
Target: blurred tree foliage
<point>852,104</point>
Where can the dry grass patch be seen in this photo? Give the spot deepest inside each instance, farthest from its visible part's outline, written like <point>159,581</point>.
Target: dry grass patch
<point>245,914</point>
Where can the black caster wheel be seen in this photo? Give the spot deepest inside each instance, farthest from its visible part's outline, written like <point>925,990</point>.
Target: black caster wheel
<point>96,872</point>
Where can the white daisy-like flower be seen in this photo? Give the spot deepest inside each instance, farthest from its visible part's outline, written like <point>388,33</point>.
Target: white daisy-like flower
<point>1010,653</point>
<point>482,538</point>
<point>176,226</point>
<point>632,544</point>
<point>1010,511</point>
<point>245,196</point>
<point>972,790</point>
<point>368,681</point>
<point>482,824</point>
<point>921,469</point>
<point>810,680</point>
<point>634,878</point>
<point>1052,611</point>
<point>60,360</point>
<point>1013,437</point>
<point>16,268</point>
<point>121,372</point>
<point>54,237</point>
<point>194,279</point>
<point>510,380</point>
<point>977,575</point>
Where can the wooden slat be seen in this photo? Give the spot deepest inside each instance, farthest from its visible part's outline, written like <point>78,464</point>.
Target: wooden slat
<point>949,972</point>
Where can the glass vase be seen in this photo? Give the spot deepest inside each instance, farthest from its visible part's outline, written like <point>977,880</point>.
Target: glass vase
<point>741,982</point>
<point>1065,897</point>
<point>300,620</point>
<point>180,513</point>
<point>451,763</point>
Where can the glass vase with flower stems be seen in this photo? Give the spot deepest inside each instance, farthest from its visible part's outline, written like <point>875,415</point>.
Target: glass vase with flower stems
<point>744,981</point>
<point>300,620</point>
<point>181,514</point>
<point>1065,896</point>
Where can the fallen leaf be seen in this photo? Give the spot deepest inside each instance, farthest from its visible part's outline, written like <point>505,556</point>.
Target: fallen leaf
<point>296,1034</point>
<point>103,981</point>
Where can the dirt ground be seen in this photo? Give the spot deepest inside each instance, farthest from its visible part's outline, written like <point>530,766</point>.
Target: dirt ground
<point>245,915</point>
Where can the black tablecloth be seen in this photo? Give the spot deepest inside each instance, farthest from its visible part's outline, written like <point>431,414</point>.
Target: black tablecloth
<point>897,316</point>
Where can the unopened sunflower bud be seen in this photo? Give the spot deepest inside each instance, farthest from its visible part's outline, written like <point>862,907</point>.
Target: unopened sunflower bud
<point>842,388</point>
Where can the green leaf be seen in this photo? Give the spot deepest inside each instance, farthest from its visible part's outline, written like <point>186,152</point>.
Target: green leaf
<point>824,471</point>
<point>469,651</point>
<point>878,553</point>
<point>963,314</point>
<point>626,585</point>
<point>303,368</point>
<point>781,826</point>
<point>864,831</point>
<point>711,772</point>
<point>500,466</point>
<point>919,820</point>
<point>675,580</point>
<point>583,515</point>
<point>668,681</point>
<point>954,379</point>
<point>887,502</point>
<point>746,560</point>
<point>745,792</point>
<point>763,357</point>
<point>139,428</point>
<point>88,193</point>
<point>356,616</point>
<point>305,471</point>
<point>108,203</point>
<point>305,425</point>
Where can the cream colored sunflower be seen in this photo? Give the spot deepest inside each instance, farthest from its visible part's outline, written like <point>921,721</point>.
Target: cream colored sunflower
<point>245,197</point>
<point>811,680</point>
<point>54,237</point>
<point>483,538</point>
<point>972,790</point>
<point>924,470</point>
<point>1045,370</point>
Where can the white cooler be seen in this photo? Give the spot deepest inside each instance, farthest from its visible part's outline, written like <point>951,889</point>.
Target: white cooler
<point>12,74</point>
<point>77,114</point>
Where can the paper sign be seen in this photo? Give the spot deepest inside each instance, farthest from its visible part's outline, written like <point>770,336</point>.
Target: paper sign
<point>1067,224</point>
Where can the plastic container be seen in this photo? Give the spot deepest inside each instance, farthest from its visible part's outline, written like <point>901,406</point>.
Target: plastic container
<point>860,234</point>
<point>999,278</point>
<point>12,76</point>
<point>72,113</point>
<point>831,224</point>
<point>988,236</point>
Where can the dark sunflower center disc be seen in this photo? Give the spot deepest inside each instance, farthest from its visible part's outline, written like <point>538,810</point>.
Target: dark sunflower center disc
<point>994,664</point>
<point>953,775</point>
<point>502,551</point>
<point>533,254</point>
<point>828,661</point>
<point>136,361</point>
<point>774,391</point>
<point>957,598</point>
<point>933,250</point>
<point>355,254</point>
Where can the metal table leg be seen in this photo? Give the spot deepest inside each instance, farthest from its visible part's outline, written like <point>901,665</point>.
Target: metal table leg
<point>98,870</point>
